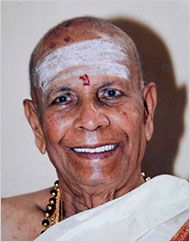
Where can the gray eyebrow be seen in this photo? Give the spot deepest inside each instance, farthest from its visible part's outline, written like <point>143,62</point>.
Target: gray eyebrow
<point>109,83</point>
<point>106,84</point>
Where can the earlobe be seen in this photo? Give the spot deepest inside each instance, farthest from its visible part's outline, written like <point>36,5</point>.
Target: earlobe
<point>150,101</point>
<point>32,117</point>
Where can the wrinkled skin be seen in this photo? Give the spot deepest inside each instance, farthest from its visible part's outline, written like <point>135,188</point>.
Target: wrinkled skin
<point>108,111</point>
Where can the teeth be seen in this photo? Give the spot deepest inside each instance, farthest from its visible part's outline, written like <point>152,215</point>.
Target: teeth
<point>95,150</point>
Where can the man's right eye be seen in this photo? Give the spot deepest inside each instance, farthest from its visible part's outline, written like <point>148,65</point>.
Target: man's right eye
<point>64,99</point>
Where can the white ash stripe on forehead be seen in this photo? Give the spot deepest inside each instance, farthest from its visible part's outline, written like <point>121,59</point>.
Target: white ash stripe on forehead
<point>108,70</point>
<point>104,56</point>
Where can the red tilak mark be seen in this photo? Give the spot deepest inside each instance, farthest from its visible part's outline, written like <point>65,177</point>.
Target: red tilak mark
<point>85,80</point>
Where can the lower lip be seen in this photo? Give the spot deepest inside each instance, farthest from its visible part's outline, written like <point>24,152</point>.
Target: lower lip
<point>94,156</point>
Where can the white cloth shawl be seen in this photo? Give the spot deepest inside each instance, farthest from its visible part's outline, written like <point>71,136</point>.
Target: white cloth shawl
<point>155,210</point>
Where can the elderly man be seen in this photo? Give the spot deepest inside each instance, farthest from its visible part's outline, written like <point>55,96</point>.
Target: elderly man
<point>92,113</point>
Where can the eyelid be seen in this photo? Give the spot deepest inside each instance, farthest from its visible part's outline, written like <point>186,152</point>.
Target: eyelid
<point>110,89</point>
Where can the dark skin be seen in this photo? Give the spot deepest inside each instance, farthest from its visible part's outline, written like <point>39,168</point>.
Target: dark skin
<point>110,110</point>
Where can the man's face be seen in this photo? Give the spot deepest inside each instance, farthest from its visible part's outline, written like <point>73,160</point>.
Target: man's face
<point>92,118</point>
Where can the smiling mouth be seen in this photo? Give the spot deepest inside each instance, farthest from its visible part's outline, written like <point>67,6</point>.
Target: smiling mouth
<point>96,150</point>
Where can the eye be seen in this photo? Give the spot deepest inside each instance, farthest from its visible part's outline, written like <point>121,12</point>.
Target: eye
<point>110,94</point>
<point>63,99</point>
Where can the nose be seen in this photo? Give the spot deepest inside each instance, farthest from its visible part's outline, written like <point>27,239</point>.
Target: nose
<point>91,118</point>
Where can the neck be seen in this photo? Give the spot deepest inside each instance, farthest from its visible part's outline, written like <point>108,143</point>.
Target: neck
<point>79,198</point>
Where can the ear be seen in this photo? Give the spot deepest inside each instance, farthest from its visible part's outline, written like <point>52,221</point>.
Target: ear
<point>150,101</point>
<point>32,117</point>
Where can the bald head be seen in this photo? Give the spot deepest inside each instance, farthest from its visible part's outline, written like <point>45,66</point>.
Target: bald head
<point>55,49</point>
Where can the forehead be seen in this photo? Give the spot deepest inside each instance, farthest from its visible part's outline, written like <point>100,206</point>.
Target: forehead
<point>102,56</point>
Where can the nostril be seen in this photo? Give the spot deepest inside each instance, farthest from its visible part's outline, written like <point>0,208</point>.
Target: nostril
<point>90,129</point>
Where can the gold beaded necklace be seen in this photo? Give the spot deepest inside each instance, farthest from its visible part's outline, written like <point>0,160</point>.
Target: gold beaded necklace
<point>54,210</point>
<point>146,178</point>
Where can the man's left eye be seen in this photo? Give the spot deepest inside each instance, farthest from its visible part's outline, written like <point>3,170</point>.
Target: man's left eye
<point>110,94</point>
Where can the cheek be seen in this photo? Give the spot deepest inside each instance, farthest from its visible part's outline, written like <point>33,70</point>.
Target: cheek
<point>128,118</point>
<point>125,115</point>
<point>55,126</point>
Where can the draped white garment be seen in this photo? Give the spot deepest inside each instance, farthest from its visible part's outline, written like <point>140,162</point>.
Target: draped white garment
<point>153,211</point>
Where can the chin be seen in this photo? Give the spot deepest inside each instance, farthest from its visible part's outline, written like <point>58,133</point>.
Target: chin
<point>97,179</point>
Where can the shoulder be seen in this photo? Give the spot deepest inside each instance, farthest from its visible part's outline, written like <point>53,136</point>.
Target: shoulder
<point>22,215</point>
